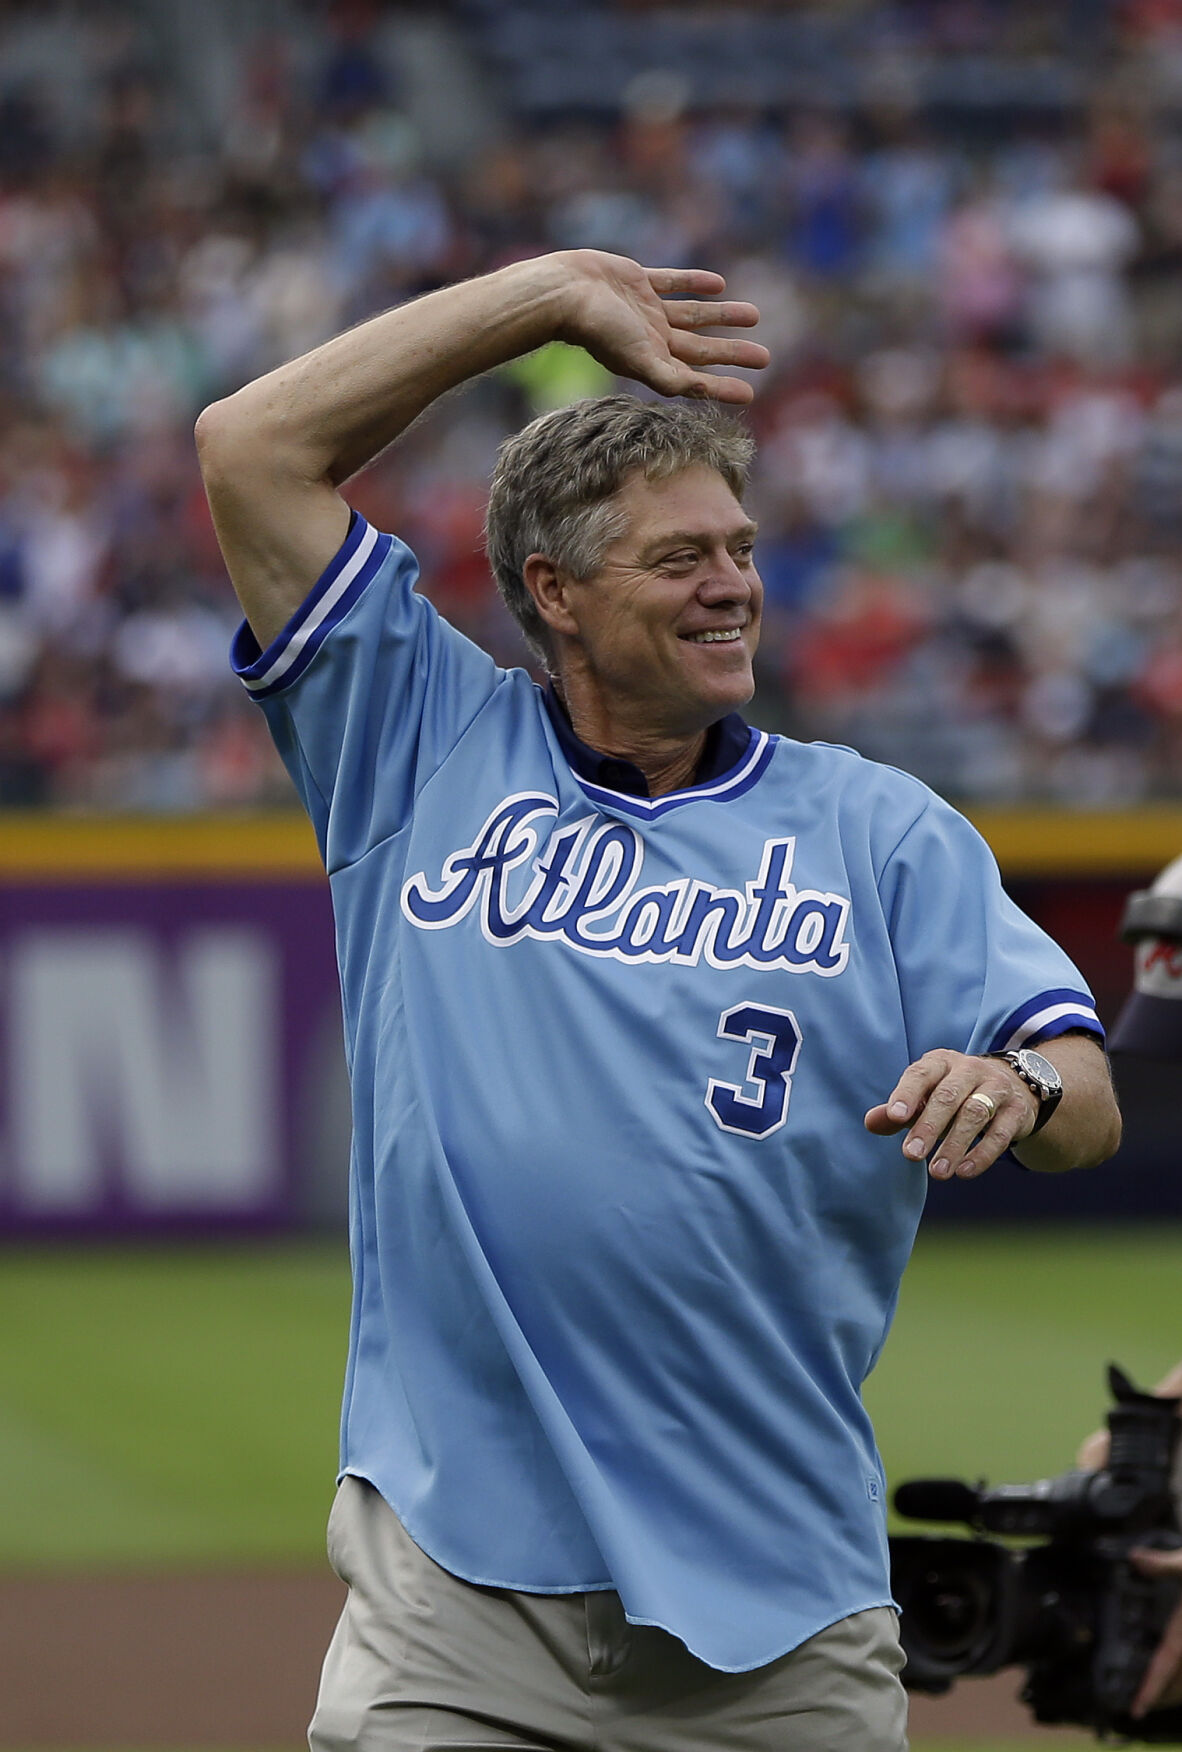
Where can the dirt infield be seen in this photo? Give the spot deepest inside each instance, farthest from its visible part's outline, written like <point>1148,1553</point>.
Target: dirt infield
<point>231,1660</point>
<point>161,1661</point>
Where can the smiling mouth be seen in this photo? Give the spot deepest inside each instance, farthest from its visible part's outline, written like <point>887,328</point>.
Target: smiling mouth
<point>728,637</point>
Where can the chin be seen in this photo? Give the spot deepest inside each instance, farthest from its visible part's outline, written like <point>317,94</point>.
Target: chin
<point>740,692</point>
<point>707,698</point>
<point>718,705</point>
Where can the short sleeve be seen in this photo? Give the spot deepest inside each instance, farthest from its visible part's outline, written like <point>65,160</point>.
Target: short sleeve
<point>975,973</point>
<point>366,691</point>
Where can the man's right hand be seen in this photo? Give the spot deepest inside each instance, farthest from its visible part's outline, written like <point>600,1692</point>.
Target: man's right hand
<point>648,323</point>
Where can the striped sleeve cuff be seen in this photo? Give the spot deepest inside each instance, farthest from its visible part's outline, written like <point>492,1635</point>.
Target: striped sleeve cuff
<point>1043,1017</point>
<point>356,563</point>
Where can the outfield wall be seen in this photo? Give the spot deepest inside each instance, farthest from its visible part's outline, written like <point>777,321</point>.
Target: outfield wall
<point>170,1029</point>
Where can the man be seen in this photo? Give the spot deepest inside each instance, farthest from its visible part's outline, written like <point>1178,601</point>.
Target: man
<point>634,994</point>
<point>1150,1026</point>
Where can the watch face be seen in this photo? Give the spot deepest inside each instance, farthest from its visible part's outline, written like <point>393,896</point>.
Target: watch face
<point>1041,1070</point>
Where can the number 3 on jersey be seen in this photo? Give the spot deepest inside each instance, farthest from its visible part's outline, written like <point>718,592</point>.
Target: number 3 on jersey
<point>774,1039</point>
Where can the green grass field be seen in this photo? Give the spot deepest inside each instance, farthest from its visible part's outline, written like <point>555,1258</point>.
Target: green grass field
<point>178,1407</point>
<point>169,1407</point>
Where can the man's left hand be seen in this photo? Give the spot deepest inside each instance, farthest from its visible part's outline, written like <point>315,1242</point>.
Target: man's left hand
<point>971,1108</point>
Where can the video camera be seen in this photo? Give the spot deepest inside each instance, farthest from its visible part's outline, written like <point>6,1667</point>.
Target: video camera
<point>1073,1611</point>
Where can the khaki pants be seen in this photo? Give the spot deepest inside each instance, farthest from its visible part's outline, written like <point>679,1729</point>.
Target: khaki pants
<point>423,1662</point>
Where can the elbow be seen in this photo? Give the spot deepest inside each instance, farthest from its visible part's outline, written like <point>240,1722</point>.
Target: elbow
<point>1104,1141</point>
<point>239,432</point>
<point>1112,1141</point>
<point>246,438</point>
<point>215,436</point>
<point>237,452</point>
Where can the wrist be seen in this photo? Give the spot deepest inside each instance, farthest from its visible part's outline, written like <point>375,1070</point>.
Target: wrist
<point>540,290</point>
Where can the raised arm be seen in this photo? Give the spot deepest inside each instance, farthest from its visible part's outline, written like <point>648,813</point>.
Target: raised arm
<point>274,454</point>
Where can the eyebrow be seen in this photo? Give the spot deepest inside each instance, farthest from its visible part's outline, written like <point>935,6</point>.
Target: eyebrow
<point>696,538</point>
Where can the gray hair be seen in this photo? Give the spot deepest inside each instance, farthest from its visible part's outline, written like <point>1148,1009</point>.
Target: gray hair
<point>555,482</point>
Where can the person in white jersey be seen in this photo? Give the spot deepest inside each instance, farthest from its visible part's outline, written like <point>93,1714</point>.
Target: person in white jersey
<point>636,999</point>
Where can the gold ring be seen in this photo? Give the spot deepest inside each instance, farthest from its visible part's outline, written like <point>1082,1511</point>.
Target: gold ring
<point>985,1101</point>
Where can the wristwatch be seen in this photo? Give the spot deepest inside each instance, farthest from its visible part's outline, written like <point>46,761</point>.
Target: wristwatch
<point>1038,1074</point>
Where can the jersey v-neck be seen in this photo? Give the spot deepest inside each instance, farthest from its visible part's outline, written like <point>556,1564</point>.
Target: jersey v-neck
<point>726,750</point>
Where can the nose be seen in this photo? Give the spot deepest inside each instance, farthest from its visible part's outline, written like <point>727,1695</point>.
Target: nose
<point>725,580</point>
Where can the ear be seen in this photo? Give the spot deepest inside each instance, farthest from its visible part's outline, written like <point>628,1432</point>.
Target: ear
<point>550,589</point>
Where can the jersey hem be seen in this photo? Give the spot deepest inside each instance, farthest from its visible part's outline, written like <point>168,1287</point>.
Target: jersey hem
<point>462,1575</point>
<point>554,1589</point>
<point>766,1660</point>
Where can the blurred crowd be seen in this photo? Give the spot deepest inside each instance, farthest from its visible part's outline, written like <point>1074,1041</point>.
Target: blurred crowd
<point>970,475</point>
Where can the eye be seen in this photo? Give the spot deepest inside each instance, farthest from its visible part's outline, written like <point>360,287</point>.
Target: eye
<point>683,560</point>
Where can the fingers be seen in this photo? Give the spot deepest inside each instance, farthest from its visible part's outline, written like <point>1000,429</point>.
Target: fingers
<point>673,378</point>
<point>685,282</point>
<point>972,1108</point>
<point>698,315</point>
<point>718,350</point>
<point>704,387</point>
<point>700,351</point>
<point>1093,1452</point>
<point>649,327</point>
<point>1162,1682</point>
<point>880,1122</point>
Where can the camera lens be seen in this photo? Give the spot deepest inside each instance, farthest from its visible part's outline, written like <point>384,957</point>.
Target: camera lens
<point>949,1611</point>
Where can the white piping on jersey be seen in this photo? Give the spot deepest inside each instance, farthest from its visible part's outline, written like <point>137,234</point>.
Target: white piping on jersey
<point>1043,1019</point>
<point>317,615</point>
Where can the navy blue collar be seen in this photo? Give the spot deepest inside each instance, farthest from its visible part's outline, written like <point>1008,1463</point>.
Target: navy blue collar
<point>726,745</point>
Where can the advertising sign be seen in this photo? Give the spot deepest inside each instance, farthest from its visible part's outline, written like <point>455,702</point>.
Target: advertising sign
<point>169,1054</point>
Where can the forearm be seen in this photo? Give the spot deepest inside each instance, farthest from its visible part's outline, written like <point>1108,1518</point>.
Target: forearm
<point>1085,1128</point>
<point>274,454</point>
<point>325,415</point>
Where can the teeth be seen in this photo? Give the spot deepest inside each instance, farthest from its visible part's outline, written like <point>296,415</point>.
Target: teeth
<point>716,638</point>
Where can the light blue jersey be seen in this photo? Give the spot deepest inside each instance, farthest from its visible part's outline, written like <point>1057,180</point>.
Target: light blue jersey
<point>623,1250</point>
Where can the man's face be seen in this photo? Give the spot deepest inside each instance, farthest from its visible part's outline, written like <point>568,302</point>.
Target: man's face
<point>668,626</point>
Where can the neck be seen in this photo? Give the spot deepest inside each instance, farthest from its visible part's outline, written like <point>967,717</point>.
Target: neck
<point>668,761</point>
<point>666,771</point>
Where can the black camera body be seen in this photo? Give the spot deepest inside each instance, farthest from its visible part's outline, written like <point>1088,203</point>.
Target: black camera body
<point>1073,1611</point>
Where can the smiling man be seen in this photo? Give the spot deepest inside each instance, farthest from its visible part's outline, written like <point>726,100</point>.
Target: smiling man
<point>635,997</point>
<point>658,642</point>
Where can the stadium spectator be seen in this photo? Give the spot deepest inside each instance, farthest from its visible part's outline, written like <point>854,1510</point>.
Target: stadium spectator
<point>973,311</point>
